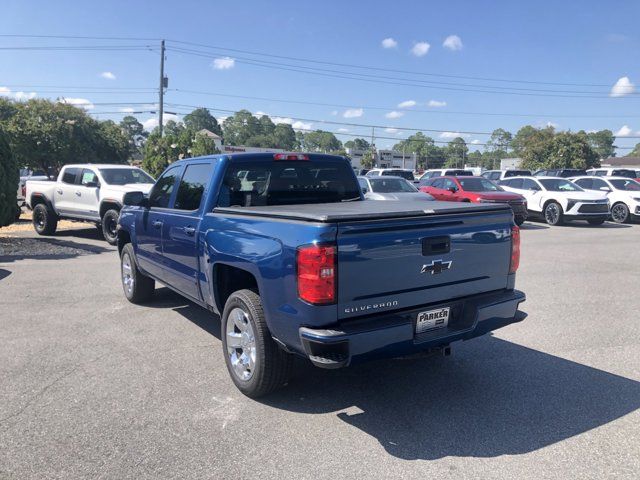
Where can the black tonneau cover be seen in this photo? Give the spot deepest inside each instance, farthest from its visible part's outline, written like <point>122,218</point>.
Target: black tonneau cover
<point>359,210</point>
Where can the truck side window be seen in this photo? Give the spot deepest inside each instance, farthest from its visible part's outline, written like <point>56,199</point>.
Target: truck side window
<point>69,175</point>
<point>161,192</point>
<point>192,185</point>
<point>363,185</point>
<point>88,176</point>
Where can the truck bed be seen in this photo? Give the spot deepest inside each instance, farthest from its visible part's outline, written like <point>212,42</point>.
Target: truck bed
<point>358,210</point>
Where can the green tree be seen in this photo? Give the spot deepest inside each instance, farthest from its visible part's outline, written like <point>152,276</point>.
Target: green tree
<point>602,143</point>
<point>499,143</point>
<point>368,160</point>
<point>240,127</point>
<point>561,150</point>
<point>321,141</point>
<point>9,178</point>
<point>200,119</point>
<point>135,133</point>
<point>636,151</point>
<point>357,144</point>
<point>456,153</point>
<point>203,145</point>
<point>428,154</point>
<point>285,137</point>
<point>46,135</point>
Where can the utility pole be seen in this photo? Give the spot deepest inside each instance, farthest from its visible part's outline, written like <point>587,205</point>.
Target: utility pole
<point>163,83</point>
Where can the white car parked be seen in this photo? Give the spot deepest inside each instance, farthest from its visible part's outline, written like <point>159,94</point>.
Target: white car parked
<point>89,193</point>
<point>446,172</point>
<point>623,194</point>
<point>394,172</point>
<point>557,199</point>
<point>612,172</point>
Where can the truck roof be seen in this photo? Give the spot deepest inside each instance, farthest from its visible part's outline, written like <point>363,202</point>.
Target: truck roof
<point>98,165</point>
<point>260,156</point>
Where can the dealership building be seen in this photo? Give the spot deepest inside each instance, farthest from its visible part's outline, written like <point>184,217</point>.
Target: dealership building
<point>383,159</point>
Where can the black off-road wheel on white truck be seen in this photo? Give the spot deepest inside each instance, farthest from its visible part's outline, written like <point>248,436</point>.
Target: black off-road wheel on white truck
<point>45,220</point>
<point>255,363</point>
<point>138,288</point>
<point>109,226</point>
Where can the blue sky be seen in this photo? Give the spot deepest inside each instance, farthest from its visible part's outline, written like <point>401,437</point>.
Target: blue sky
<point>592,45</point>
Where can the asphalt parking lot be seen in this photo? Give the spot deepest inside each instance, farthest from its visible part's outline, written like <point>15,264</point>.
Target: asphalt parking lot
<point>94,387</point>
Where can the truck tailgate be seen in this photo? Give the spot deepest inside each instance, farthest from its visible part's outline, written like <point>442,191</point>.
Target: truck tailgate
<point>394,264</point>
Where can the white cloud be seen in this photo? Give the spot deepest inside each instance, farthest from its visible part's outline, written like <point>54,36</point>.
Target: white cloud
<point>6,92</point>
<point>78,102</point>
<point>389,43</point>
<point>343,130</point>
<point>394,114</point>
<point>126,110</point>
<point>436,103</point>
<point>420,49</point>
<point>475,142</point>
<point>353,113</point>
<point>108,75</point>
<point>391,130</point>
<point>224,63</point>
<point>334,112</point>
<point>622,87</point>
<point>407,104</point>
<point>453,43</point>
<point>624,131</point>
<point>152,123</point>
<point>298,125</point>
<point>551,124</point>
<point>451,135</point>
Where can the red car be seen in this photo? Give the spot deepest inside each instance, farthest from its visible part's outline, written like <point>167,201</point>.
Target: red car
<point>476,190</point>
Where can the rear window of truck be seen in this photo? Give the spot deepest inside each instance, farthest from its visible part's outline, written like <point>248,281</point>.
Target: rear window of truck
<point>249,184</point>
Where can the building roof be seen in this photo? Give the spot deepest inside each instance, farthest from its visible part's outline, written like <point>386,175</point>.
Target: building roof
<point>209,134</point>
<point>621,162</point>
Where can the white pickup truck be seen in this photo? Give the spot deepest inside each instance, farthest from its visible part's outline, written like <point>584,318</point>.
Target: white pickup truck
<point>88,193</point>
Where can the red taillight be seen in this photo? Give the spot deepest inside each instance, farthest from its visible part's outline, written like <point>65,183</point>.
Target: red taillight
<point>290,156</point>
<point>317,274</point>
<point>24,191</point>
<point>515,249</point>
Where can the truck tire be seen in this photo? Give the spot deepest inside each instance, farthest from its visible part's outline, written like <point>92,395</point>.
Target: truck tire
<point>138,288</point>
<point>109,224</point>
<point>553,214</point>
<point>44,219</point>
<point>255,363</point>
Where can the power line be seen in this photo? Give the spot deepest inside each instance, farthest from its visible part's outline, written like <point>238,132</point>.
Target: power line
<point>407,110</point>
<point>366,67</point>
<point>78,37</point>
<point>398,81</point>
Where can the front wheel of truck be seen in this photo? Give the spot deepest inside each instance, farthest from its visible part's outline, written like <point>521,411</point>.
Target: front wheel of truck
<point>255,363</point>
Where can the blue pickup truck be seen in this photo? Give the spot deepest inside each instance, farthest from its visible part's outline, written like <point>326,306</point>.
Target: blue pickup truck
<point>287,251</point>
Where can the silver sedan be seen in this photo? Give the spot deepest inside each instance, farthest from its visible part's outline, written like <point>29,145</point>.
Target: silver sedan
<point>391,188</point>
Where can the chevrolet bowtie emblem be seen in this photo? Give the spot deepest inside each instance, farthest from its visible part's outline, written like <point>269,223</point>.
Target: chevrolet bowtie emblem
<point>436,267</point>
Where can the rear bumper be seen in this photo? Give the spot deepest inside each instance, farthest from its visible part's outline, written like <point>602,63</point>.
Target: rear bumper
<point>393,335</point>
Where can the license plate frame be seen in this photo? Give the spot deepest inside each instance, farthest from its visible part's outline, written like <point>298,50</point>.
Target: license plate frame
<point>431,320</point>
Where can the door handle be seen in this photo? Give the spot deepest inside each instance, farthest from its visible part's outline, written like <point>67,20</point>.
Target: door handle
<point>190,231</point>
<point>157,224</point>
<point>78,194</point>
<point>59,192</point>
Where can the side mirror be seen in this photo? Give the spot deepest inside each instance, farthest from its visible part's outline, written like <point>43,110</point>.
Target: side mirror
<point>135,199</point>
<point>452,189</point>
<point>364,190</point>
<point>92,184</point>
<point>605,189</point>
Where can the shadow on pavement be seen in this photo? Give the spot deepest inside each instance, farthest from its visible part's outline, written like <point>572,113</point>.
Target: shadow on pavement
<point>4,273</point>
<point>533,226</point>
<point>166,298</point>
<point>491,398</point>
<point>44,248</point>
<point>495,398</point>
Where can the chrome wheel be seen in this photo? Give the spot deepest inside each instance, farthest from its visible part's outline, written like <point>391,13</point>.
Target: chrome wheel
<point>127,274</point>
<point>38,218</point>
<point>552,213</point>
<point>241,344</point>
<point>619,213</point>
